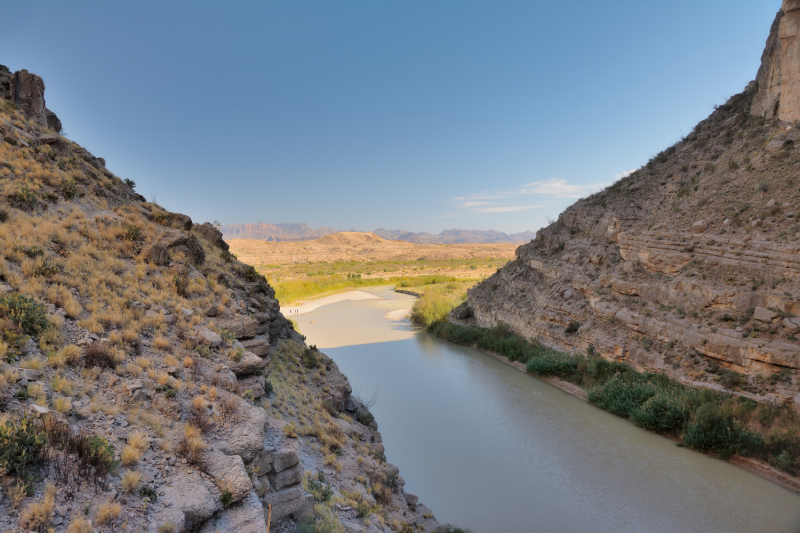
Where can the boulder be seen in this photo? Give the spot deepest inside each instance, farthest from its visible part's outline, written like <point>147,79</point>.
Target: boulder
<point>211,310</point>
<point>186,243</point>
<point>246,516</point>
<point>212,235</point>
<point>191,501</point>
<point>412,499</point>
<point>208,337</point>
<point>242,326</point>
<point>775,145</point>
<point>791,324</point>
<point>229,474</point>
<point>262,462</point>
<point>49,138</point>
<point>155,253</point>
<point>284,502</point>
<point>763,314</point>
<point>286,478</point>
<point>246,439</point>
<point>248,364</point>
<point>258,346</point>
<point>287,455</point>
<point>178,220</point>
<point>699,227</point>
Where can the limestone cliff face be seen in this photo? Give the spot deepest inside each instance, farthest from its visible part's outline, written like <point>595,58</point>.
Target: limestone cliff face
<point>779,76</point>
<point>688,264</point>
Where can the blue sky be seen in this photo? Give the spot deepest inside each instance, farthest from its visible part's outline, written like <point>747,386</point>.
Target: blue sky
<point>420,115</point>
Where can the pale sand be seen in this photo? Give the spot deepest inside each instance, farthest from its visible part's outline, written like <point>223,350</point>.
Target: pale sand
<point>398,314</point>
<point>294,310</point>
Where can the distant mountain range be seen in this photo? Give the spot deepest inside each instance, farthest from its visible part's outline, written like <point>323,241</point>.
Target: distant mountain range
<point>303,232</point>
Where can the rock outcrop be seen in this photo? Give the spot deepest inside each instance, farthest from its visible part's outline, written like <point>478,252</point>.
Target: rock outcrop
<point>27,91</point>
<point>778,77</point>
<point>691,263</point>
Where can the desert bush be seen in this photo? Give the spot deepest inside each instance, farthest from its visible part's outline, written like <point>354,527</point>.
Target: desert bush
<point>27,313</point>
<point>21,446</point>
<point>25,199</point>
<point>99,354</point>
<point>181,282</point>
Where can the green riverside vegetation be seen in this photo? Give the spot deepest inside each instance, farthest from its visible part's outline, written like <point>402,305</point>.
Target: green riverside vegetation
<point>703,419</point>
<point>292,290</point>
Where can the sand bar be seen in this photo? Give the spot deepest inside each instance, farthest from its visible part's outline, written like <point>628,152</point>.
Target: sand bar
<point>307,307</point>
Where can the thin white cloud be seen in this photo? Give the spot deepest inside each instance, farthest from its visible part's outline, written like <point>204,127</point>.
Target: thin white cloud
<point>548,192</point>
<point>506,208</point>
<point>559,188</point>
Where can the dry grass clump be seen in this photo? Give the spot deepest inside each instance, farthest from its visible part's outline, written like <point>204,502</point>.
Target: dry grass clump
<point>130,480</point>
<point>62,405</point>
<point>161,343</point>
<point>107,512</point>
<point>134,449</point>
<point>68,355</point>
<point>191,445</point>
<point>38,515</point>
<point>80,525</point>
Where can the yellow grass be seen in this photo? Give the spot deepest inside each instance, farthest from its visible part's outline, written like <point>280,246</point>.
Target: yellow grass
<point>37,515</point>
<point>107,512</point>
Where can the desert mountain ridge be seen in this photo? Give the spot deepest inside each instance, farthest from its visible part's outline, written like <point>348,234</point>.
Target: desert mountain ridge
<point>303,232</point>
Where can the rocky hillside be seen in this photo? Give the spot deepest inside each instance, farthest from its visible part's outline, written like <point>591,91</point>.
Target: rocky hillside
<point>690,265</point>
<point>149,381</point>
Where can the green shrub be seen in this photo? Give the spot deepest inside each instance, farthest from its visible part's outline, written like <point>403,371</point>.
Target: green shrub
<point>717,432</point>
<point>227,257</point>
<point>553,364</point>
<point>25,312</point>
<point>666,412</point>
<point>131,232</point>
<point>572,328</point>
<point>310,357</point>
<point>447,528</point>
<point>130,183</point>
<point>68,188</point>
<point>31,252</point>
<point>622,393</point>
<point>21,446</point>
<point>181,282</point>
<point>24,199</point>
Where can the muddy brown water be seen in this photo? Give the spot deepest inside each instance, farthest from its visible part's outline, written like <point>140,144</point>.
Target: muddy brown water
<point>490,448</point>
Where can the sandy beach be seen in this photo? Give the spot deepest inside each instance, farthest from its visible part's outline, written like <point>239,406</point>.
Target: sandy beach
<point>307,307</point>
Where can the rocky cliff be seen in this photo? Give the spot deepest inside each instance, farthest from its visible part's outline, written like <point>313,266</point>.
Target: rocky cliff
<point>690,265</point>
<point>149,381</point>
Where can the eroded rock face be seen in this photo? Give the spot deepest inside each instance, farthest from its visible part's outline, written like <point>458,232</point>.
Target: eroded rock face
<point>779,76</point>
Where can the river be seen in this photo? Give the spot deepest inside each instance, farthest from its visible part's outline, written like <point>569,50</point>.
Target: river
<point>490,448</point>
